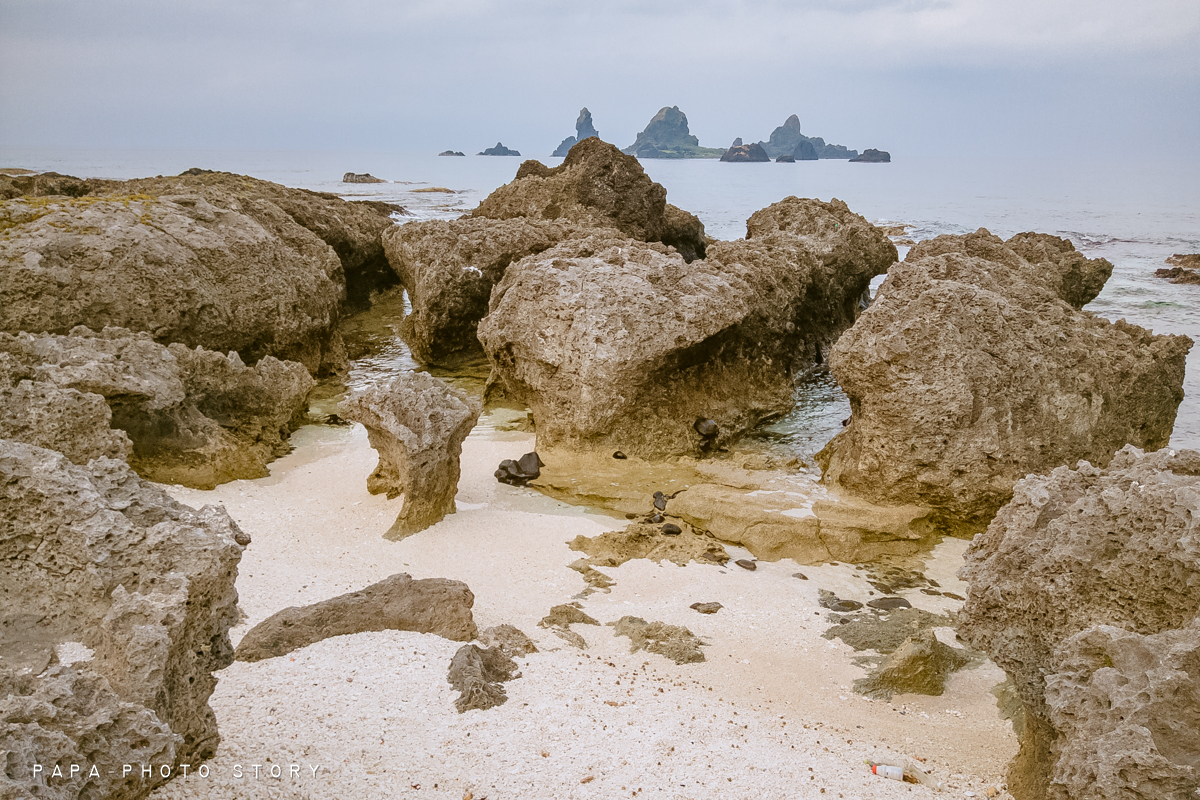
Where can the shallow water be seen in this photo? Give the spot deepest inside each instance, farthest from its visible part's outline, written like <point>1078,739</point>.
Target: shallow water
<point>1134,213</point>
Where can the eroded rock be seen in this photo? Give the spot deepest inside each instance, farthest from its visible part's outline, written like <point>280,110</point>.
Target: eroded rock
<point>417,424</point>
<point>1084,590</point>
<point>478,675</point>
<point>618,344</point>
<point>194,417</point>
<point>94,555</point>
<point>398,603</point>
<point>973,368</point>
<point>670,641</point>
<point>918,666</point>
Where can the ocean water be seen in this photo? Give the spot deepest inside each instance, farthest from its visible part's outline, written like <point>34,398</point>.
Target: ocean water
<point>1134,213</point>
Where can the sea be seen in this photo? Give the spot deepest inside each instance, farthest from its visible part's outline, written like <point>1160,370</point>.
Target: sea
<point>1135,213</point>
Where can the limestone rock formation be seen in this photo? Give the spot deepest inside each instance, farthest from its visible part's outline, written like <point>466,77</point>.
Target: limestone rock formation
<point>399,603</point>
<point>583,130</point>
<point>449,267</point>
<point>620,345</point>
<point>974,367</point>
<point>873,156</point>
<point>919,666</point>
<point>1185,268</point>
<point>94,555</point>
<point>597,186</point>
<point>204,258</point>
<point>667,136</point>
<point>670,641</point>
<point>745,152</point>
<point>417,425</point>
<point>361,177</point>
<point>195,417</point>
<point>498,150</point>
<point>1085,588</point>
<point>478,675</point>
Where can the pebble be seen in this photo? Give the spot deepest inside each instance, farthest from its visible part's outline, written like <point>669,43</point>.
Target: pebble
<point>746,563</point>
<point>620,455</point>
<point>671,529</point>
<point>707,428</point>
<point>800,575</point>
<point>707,608</point>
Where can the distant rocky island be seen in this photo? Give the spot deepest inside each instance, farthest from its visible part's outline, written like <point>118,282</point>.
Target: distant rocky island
<point>787,140</point>
<point>667,136</point>
<point>745,152</point>
<point>583,130</point>
<point>872,156</point>
<point>364,177</point>
<point>452,153</point>
<point>499,150</point>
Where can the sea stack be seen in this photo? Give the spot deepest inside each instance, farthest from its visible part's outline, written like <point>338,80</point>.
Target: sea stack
<point>583,130</point>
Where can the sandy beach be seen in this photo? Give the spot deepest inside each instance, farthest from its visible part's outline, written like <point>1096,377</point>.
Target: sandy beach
<point>770,713</point>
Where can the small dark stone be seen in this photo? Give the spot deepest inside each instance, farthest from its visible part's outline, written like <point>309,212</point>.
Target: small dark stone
<point>631,516</point>
<point>655,519</point>
<point>706,428</point>
<point>746,563</point>
<point>671,529</point>
<point>800,575</point>
<point>334,419</point>
<point>845,422</point>
<point>932,592</point>
<point>620,455</point>
<point>707,608</point>
<point>660,501</point>
<point>845,606</point>
<point>889,603</point>
<point>953,596</point>
<point>531,464</point>
<point>520,472</point>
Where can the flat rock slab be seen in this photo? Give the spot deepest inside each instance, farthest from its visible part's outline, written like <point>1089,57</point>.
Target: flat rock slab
<point>399,603</point>
<point>671,641</point>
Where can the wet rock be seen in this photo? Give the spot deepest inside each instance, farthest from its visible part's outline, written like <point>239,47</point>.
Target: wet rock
<point>671,529</point>
<point>706,608</point>
<point>361,177</point>
<point>508,638</point>
<point>597,186</point>
<point>478,675</point>
<point>194,417</point>
<point>889,603</point>
<point>417,424</point>
<point>873,156</point>
<point>96,556</point>
<point>205,258</point>
<point>944,417</point>
<point>397,603</point>
<point>828,599</point>
<point>619,455</point>
<point>745,153</point>
<point>499,150</point>
<point>670,641</point>
<point>1083,589</point>
<point>1178,274</point>
<point>745,563</point>
<point>613,342</point>
<point>518,473</point>
<point>918,666</point>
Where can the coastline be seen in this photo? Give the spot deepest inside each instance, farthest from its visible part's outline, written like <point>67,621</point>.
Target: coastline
<point>596,712</point>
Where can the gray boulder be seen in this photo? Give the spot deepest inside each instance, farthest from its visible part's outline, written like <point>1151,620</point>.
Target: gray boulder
<point>398,603</point>
<point>974,367</point>
<point>417,424</point>
<point>97,557</point>
<point>193,417</point>
<point>620,345</point>
<point>1085,589</point>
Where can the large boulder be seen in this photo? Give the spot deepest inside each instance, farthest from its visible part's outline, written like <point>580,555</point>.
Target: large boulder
<point>974,367</point>
<point>96,559</point>
<point>195,417</point>
<point>1085,588</point>
<point>399,603</point>
<point>448,268</point>
<point>204,258</point>
<point>618,344</point>
<point>417,425</point>
<point>595,185</point>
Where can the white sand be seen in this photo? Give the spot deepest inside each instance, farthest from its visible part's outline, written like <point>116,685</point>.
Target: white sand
<point>770,714</point>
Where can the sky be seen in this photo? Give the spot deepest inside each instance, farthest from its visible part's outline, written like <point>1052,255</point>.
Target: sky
<point>1049,78</point>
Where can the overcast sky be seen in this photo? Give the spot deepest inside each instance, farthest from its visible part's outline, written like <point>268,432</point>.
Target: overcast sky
<point>1095,78</point>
